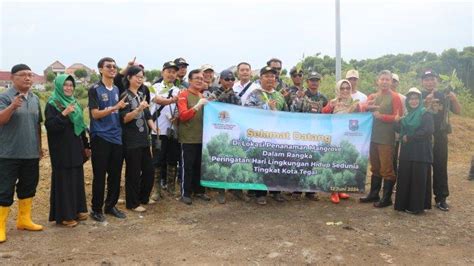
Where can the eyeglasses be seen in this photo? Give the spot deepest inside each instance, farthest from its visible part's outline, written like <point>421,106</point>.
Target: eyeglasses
<point>24,75</point>
<point>229,79</point>
<point>297,75</point>
<point>109,66</point>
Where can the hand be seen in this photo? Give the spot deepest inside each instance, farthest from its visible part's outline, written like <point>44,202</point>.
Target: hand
<point>272,104</point>
<point>397,118</point>
<point>333,103</point>
<point>88,152</point>
<point>143,105</point>
<point>284,92</point>
<point>174,99</point>
<point>377,114</point>
<point>405,139</point>
<point>451,96</point>
<point>121,104</point>
<point>371,105</point>
<point>132,62</point>
<point>202,101</point>
<point>17,101</point>
<point>300,93</point>
<point>69,109</point>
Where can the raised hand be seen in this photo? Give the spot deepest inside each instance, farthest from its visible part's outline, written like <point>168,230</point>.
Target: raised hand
<point>17,101</point>
<point>69,109</point>
<point>121,104</point>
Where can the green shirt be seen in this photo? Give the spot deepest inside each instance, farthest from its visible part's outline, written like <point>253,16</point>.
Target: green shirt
<point>190,131</point>
<point>383,132</point>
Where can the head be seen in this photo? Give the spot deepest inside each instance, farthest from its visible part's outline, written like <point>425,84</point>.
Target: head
<point>296,76</point>
<point>413,100</point>
<point>267,78</point>
<point>313,81</point>
<point>429,80</point>
<point>22,77</point>
<point>395,82</point>
<point>64,84</point>
<point>107,68</point>
<point>196,80</point>
<point>244,71</point>
<point>68,86</point>
<point>227,79</point>
<point>276,64</point>
<point>134,77</point>
<point>208,74</point>
<point>384,80</point>
<point>343,89</point>
<point>169,72</point>
<point>182,67</point>
<point>353,77</point>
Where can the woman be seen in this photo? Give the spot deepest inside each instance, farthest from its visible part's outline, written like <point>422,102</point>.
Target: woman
<point>342,104</point>
<point>413,193</point>
<point>68,149</point>
<point>136,121</point>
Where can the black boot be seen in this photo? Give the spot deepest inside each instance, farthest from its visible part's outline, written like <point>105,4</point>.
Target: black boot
<point>157,194</point>
<point>375,185</point>
<point>171,171</point>
<point>387,194</point>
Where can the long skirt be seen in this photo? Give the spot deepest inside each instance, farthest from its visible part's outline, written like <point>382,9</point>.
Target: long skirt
<point>413,186</point>
<point>68,196</point>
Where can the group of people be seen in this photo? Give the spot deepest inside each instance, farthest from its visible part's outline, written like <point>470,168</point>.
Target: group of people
<point>157,131</point>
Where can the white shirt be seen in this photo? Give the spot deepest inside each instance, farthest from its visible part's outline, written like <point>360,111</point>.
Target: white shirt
<point>238,87</point>
<point>163,121</point>
<point>359,96</point>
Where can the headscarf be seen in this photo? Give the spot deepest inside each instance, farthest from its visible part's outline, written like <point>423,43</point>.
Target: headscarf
<point>344,105</point>
<point>60,101</point>
<point>412,119</point>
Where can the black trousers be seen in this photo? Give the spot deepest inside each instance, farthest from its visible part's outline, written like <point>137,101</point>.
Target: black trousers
<point>440,166</point>
<point>168,155</point>
<point>20,173</point>
<point>138,176</point>
<point>191,171</point>
<point>413,186</point>
<point>396,150</point>
<point>107,158</point>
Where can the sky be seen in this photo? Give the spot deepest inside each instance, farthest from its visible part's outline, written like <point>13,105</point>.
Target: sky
<point>224,33</point>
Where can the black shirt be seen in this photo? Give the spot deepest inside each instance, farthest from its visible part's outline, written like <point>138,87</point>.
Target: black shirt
<point>135,134</point>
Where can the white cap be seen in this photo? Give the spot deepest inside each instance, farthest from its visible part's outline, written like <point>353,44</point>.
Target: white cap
<point>352,74</point>
<point>395,77</point>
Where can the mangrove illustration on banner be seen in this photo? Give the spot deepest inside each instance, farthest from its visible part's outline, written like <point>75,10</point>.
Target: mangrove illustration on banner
<point>248,148</point>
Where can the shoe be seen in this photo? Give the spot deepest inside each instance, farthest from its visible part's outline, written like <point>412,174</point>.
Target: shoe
<point>4,211</point>
<point>116,212</point>
<point>296,196</point>
<point>311,196</point>
<point>202,197</point>
<point>344,196</point>
<point>151,202</point>
<point>70,223</point>
<point>186,200</point>
<point>24,221</point>
<point>98,216</point>
<point>82,216</point>
<point>335,197</point>
<point>414,213</point>
<point>221,197</point>
<point>375,185</point>
<point>139,209</point>
<point>278,197</point>
<point>442,205</point>
<point>387,194</point>
<point>262,200</point>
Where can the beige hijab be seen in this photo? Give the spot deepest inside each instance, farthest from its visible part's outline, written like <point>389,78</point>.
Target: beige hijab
<point>344,105</point>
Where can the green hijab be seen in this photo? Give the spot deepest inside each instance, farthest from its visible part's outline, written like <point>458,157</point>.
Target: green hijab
<point>61,101</point>
<point>412,120</point>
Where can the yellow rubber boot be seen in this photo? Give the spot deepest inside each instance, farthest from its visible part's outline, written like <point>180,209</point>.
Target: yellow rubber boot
<point>3,223</point>
<point>24,221</point>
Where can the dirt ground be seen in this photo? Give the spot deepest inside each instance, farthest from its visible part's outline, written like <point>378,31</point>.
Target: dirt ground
<point>294,232</point>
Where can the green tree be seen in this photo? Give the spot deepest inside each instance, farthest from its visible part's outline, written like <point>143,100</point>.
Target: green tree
<point>80,73</point>
<point>153,74</point>
<point>50,76</point>
<point>94,78</point>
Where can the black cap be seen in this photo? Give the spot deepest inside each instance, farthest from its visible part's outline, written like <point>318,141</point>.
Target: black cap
<point>170,64</point>
<point>295,70</point>
<point>226,74</point>
<point>19,67</point>
<point>180,62</point>
<point>268,69</point>
<point>314,75</point>
<point>429,73</point>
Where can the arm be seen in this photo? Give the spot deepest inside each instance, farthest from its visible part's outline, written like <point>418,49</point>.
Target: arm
<point>185,113</point>
<point>94,106</point>
<point>7,108</point>
<point>455,106</point>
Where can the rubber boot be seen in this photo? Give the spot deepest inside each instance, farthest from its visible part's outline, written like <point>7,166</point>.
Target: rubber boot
<point>3,223</point>
<point>387,194</point>
<point>335,197</point>
<point>24,221</point>
<point>375,185</point>
<point>157,194</point>
<point>171,171</point>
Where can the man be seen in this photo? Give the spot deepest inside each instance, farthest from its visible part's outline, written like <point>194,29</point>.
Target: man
<point>353,77</point>
<point>389,111</point>
<point>245,85</point>
<point>190,104</point>
<point>20,152</point>
<point>309,101</point>
<point>395,83</point>
<point>181,75</point>
<point>276,64</point>
<point>106,141</point>
<point>267,98</point>
<point>208,74</point>
<point>439,103</point>
<point>226,94</point>
<point>164,96</point>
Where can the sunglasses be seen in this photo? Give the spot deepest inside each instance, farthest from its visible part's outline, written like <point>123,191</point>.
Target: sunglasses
<point>109,66</point>
<point>229,79</point>
<point>345,88</point>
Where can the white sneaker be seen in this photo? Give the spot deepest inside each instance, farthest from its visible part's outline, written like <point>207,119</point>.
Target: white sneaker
<point>151,202</point>
<point>139,209</point>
